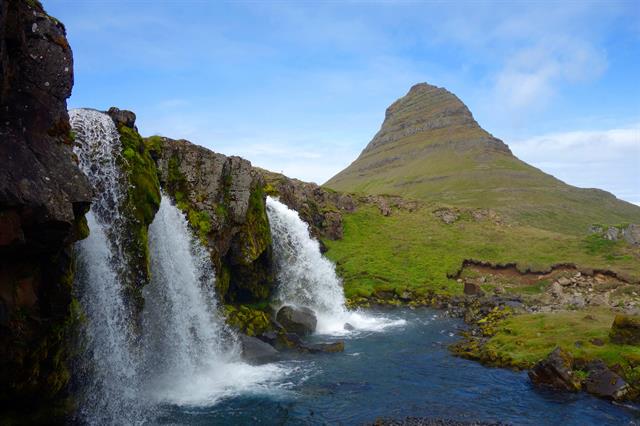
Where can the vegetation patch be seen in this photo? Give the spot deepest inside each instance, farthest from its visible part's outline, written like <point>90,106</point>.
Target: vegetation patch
<point>416,250</point>
<point>140,207</point>
<point>526,339</point>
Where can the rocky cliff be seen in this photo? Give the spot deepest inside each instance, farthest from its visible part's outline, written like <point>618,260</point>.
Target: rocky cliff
<point>319,207</point>
<point>224,200</point>
<point>43,198</point>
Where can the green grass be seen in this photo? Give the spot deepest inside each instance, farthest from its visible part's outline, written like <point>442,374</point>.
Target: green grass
<point>526,339</point>
<point>417,251</point>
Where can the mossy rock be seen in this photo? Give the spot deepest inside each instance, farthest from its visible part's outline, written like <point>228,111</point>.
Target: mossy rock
<point>625,330</point>
<point>250,321</point>
<point>140,207</point>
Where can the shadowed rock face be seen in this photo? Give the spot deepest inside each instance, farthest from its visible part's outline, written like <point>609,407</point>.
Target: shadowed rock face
<point>41,188</point>
<point>43,198</point>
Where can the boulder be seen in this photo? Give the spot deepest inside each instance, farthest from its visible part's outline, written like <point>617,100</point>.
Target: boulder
<point>556,371</point>
<point>299,320</point>
<point>122,117</point>
<point>255,351</point>
<point>631,234</point>
<point>625,330</point>
<point>605,383</point>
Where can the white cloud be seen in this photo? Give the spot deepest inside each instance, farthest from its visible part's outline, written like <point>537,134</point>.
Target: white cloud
<point>607,159</point>
<point>531,76</point>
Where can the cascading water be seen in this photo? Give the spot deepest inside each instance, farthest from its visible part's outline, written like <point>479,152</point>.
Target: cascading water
<point>106,370</point>
<point>306,278</point>
<point>191,356</point>
<point>183,353</point>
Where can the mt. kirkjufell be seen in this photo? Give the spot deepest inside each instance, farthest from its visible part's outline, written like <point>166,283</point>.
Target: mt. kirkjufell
<point>431,148</point>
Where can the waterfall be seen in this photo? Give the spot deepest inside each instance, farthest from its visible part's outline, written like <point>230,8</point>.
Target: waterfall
<point>192,358</point>
<point>182,353</point>
<point>106,368</point>
<point>306,278</point>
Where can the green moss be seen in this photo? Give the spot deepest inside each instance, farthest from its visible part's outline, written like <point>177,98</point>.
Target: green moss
<point>248,319</point>
<point>140,206</point>
<point>257,234</point>
<point>200,221</point>
<point>154,145</point>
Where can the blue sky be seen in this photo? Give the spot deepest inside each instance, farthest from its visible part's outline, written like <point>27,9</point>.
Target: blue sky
<point>301,87</point>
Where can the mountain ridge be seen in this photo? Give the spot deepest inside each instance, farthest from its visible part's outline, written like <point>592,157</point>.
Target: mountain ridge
<point>430,147</point>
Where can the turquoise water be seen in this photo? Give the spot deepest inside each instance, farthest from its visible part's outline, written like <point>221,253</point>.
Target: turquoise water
<point>399,372</point>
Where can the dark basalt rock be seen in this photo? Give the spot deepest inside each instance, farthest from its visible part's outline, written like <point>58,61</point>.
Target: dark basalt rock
<point>43,199</point>
<point>556,371</point>
<point>123,117</point>
<point>625,330</point>
<point>605,383</point>
<point>299,320</point>
<point>255,351</point>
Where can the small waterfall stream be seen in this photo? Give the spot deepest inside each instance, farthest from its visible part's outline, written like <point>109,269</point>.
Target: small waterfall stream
<point>306,278</point>
<point>107,367</point>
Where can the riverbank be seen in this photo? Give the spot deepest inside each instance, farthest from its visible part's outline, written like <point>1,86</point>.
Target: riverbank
<point>513,332</point>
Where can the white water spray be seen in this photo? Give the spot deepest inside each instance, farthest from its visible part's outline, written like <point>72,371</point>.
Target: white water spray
<point>306,278</point>
<point>183,353</point>
<point>107,368</point>
<point>192,357</point>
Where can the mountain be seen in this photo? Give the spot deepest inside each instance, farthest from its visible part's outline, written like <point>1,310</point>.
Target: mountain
<point>431,148</point>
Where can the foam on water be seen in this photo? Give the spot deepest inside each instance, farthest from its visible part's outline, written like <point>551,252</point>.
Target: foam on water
<point>306,278</point>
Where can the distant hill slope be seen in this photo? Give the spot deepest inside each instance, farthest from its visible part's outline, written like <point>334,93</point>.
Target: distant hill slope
<point>431,148</point>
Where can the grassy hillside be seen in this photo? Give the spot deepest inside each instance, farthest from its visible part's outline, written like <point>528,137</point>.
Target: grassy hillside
<point>416,250</point>
<point>430,148</point>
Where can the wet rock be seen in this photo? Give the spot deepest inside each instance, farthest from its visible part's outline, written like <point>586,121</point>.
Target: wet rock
<point>43,199</point>
<point>299,320</point>
<point>269,337</point>
<point>625,330</point>
<point>556,371</point>
<point>255,351</point>
<point>472,289</point>
<point>333,347</point>
<point>349,327</point>
<point>605,383</point>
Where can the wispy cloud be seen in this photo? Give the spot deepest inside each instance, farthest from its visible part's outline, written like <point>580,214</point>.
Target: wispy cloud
<point>607,159</point>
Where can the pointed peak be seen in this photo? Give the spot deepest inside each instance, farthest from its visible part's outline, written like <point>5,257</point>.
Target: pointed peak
<point>425,107</point>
